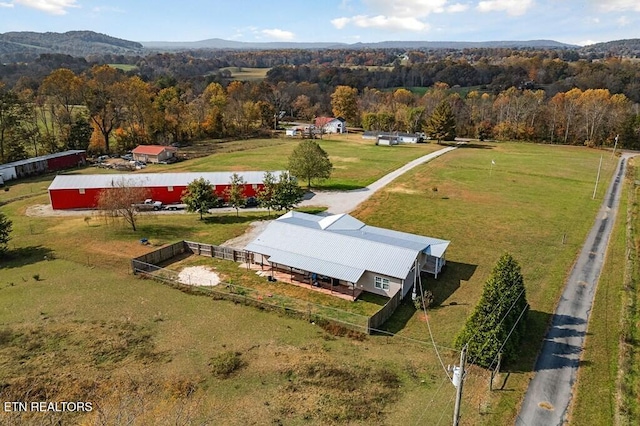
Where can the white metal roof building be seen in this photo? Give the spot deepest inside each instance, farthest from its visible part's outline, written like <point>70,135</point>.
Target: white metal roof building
<point>151,179</point>
<point>346,249</point>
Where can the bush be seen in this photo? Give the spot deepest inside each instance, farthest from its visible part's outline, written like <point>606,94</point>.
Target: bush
<point>224,364</point>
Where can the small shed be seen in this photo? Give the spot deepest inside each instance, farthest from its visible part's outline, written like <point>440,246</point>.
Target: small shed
<point>153,153</point>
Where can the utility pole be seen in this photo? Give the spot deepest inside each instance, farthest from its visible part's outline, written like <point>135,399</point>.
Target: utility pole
<point>458,385</point>
<point>614,146</point>
<point>597,179</point>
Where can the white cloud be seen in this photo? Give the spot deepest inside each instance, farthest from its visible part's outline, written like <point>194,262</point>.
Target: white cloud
<point>512,7</point>
<point>54,7</point>
<point>340,23</point>
<point>2,4</point>
<point>457,8</point>
<point>389,22</point>
<point>279,34</point>
<point>623,21</point>
<point>619,5</point>
<point>398,14</point>
<point>407,8</point>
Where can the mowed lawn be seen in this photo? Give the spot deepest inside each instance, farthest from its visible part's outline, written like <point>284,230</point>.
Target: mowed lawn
<point>80,326</point>
<point>535,202</point>
<point>356,162</point>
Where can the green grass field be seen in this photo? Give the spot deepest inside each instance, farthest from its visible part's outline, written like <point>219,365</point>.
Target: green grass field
<point>123,67</point>
<point>356,162</point>
<point>79,326</point>
<point>247,74</point>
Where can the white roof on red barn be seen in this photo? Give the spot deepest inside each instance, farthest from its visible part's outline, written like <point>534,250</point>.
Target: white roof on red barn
<point>341,246</point>
<point>152,149</point>
<point>151,180</point>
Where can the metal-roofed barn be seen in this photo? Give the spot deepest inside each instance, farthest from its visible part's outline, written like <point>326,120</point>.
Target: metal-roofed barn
<point>43,164</point>
<point>82,191</point>
<point>348,252</point>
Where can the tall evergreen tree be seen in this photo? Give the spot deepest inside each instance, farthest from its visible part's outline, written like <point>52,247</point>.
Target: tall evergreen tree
<point>5,233</point>
<point>499,319</point>
<point>442,123</point>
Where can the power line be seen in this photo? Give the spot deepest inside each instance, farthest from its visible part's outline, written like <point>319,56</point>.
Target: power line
<point>499,324</point>
<point>426,317</point>
<point>509,335</point>
<point>432,400</point>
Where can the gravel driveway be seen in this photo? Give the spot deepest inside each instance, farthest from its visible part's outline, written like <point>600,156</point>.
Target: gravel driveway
<point>346,201</point>
<point>550,392</point>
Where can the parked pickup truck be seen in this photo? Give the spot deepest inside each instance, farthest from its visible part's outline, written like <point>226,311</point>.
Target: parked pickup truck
<point>175,206</point>
<point>148,205</point>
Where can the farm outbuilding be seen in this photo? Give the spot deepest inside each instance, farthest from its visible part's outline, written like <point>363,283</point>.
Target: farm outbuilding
<point>331,124</point>
<point>345,251</point>
<point>82,191</point>
<point>398,137</point>
<point>153,153</point>
<point>43,164</point>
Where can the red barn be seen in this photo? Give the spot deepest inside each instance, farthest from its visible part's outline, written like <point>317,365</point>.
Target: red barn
<point>44,163</point>
<point>82,191</point>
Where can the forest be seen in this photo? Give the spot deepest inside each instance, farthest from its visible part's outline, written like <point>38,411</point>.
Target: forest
<point>112,102</point>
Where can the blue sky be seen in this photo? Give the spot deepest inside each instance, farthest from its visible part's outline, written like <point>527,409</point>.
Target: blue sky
<point>349,21</point>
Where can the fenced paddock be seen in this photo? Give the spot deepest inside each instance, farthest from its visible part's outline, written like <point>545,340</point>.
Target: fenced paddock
<point>311,312</point>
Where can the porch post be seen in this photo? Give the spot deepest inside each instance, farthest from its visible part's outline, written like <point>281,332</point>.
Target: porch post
<point>437,267</point>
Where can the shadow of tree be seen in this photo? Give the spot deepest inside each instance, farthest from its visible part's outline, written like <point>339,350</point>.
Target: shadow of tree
<point>23,256</point>
<point>232,218</point>
<point>475,145</point>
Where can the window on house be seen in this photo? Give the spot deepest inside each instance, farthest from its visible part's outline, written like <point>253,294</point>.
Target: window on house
<point>381,283</point>
<point>170,188</point>
<point>254,186</point>
<point>81,190</point>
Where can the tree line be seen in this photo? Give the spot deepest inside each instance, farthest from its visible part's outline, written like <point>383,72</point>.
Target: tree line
<point>107,110</point>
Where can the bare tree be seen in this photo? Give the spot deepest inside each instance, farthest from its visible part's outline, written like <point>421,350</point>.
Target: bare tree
<point>120,200</point>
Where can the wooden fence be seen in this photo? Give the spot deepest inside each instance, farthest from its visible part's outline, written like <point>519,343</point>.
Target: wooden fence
<point>219,252</point>
<point>158,256</point>
<point>148,265</point>
<point>379,318</point>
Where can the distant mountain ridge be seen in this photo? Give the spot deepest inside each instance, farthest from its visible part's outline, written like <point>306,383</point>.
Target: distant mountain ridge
<point>26,45</point>
<point>218,43</point>
<point>74,43</point>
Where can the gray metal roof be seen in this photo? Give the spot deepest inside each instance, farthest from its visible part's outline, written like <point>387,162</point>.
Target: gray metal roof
<point>343,241</point>
<point>41,158</point>
<point>311,264</point>
<point>150,180</point>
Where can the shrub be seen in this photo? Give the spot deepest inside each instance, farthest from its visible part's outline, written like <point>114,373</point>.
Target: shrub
<point>225,363</point>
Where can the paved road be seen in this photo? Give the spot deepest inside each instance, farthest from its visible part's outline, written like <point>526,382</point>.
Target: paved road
<point>347,201</point>
<point>550,391</point>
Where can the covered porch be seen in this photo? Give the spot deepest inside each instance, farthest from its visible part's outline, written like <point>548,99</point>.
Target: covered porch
<point>308,280</point>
